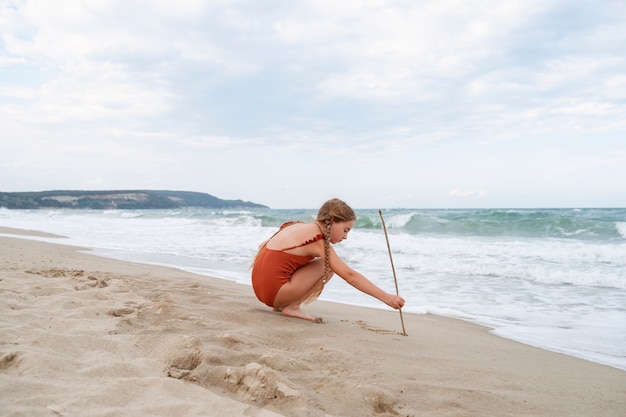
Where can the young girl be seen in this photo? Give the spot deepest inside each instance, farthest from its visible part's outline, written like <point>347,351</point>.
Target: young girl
<point>293,266</point>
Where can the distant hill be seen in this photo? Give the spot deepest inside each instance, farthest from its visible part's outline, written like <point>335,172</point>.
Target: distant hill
<point>118,199</point>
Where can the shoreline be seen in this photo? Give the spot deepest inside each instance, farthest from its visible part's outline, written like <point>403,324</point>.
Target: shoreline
<point>453,314</point>
<point>167,342</point>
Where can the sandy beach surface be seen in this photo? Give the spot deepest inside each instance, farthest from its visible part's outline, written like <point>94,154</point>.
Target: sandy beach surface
<point>83,336</point>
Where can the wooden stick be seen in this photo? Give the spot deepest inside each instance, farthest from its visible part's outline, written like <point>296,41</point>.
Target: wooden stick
<point>392,268</point>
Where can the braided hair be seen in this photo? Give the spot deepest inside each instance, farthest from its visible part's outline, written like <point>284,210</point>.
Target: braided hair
<point>332,211</point>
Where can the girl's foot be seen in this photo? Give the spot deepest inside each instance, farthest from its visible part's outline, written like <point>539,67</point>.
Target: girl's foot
<point>289,311</point>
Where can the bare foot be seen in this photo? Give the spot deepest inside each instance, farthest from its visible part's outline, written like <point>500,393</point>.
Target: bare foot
<point>298,313</point>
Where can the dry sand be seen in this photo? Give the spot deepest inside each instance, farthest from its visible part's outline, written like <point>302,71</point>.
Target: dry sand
<point>87,336</point>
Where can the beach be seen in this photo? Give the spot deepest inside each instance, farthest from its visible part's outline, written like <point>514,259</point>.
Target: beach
<point>83,335</point>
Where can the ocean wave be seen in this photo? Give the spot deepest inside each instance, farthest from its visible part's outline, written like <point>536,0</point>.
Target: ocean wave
<point>584,224</point>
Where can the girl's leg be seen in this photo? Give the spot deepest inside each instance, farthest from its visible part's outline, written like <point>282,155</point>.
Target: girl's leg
<point>304,282</point>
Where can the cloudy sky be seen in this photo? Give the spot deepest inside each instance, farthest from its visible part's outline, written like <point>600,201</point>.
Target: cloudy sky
<point>389,103</point>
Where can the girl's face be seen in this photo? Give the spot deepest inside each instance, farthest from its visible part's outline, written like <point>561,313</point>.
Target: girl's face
<point>339,231</point>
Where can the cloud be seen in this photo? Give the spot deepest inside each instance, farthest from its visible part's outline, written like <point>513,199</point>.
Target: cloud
<point>15,91</point>
<point>458,192</point>
<point>396,59</point>
<point>347,89</point>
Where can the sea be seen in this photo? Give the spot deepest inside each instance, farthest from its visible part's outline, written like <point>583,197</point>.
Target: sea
<point>550,278</point>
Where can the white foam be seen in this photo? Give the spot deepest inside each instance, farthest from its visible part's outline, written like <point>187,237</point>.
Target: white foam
<point>399,220</point>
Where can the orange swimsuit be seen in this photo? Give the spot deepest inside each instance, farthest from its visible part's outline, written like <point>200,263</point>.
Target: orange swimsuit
<point>273,268</point>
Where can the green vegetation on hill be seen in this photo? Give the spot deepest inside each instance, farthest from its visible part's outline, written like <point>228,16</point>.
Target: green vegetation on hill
<point>118,199</point>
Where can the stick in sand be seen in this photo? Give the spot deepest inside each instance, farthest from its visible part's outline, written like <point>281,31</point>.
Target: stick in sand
<point>392,268</point>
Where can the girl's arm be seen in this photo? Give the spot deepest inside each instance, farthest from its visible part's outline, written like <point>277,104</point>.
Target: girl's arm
<point>358,281</point>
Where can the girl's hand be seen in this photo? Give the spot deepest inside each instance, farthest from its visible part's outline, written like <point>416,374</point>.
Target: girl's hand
<point>394,301</point>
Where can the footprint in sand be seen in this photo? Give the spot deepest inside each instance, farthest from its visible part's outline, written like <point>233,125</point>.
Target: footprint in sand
<point>9,360</point>
<point>120,312</point>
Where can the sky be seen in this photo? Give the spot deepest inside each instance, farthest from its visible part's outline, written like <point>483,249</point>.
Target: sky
<point>385,104</point>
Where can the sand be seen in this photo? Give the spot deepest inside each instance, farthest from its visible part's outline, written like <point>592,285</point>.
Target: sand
<point>83,336</point>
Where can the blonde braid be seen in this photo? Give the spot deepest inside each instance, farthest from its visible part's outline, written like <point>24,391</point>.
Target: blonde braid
<point>333,210</point>
<point>327,270</point>
<point>319,287</point>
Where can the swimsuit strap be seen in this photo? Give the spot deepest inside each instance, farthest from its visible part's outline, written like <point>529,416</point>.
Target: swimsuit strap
<point>315,238</point>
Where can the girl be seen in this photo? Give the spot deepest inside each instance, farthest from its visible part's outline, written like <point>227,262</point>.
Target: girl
<point>293,266</point>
